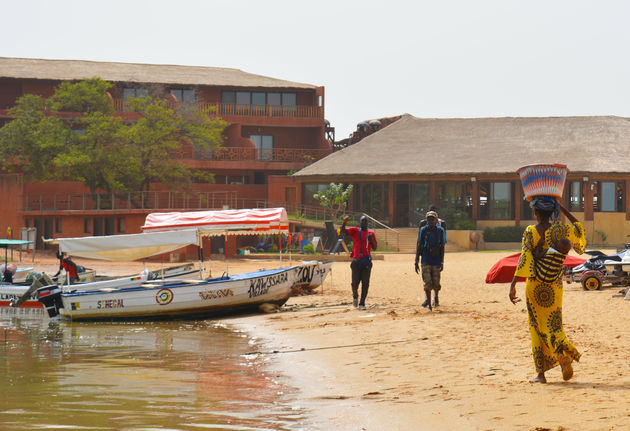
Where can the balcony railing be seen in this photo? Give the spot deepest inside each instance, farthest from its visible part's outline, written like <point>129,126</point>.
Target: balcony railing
<point>234,109</point>
<point>163,200</point>
<point>237,154</point>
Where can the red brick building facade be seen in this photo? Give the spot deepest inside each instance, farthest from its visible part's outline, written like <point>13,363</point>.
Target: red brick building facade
<point>275,127</point>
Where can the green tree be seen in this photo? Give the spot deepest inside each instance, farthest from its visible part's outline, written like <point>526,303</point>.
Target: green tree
<point>97,147</point>
<point>335,197</point>
<point>158,133</point>
<point>32,140</point>
<point>87,96</point>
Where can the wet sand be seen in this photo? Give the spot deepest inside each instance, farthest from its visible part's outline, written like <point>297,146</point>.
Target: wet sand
<point>466,365</point>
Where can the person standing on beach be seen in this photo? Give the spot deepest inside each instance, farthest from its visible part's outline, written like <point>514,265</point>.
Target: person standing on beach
<point>363,242</point>
<point>430,253</point>
<point>543,288</point>
<point>440,222</point>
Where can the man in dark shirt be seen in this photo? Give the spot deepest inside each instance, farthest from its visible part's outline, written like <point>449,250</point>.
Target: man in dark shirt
<point>430,247</point>
<point>440,222</point>
<point>363,242</point>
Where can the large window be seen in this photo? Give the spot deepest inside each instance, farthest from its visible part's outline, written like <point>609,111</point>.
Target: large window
<point>495,200</point>
<point>308,190</point>
<point>608,196</point>
<point>454,202</point>
<point>419,201</point>
<point>259,98</point>
<point>264,146</point>
<point>133,92</point>
<point>576,196</point>
<point>372,199</point>
<point>184,95</point>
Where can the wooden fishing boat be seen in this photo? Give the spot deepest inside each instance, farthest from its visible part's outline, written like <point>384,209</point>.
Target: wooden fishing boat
<point>174,299</point>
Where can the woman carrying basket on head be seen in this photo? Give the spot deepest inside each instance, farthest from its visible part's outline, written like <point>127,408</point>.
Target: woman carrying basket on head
<point>543,289</point>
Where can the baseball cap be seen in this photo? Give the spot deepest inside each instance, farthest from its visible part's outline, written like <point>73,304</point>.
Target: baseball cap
<point>432,214</point>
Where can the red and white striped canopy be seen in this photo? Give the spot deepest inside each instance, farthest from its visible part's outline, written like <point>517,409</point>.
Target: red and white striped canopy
<point>241,222</point>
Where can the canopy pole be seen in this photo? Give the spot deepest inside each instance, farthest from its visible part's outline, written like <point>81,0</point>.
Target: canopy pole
<point>209,256</point>
<point>289,245</point>
<point>162,270</point>
<point>227,272</point>
<point>280,247</point>
<point>202,265</point>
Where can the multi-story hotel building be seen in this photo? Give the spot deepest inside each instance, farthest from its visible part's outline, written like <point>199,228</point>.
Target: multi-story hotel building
<point>274,127</point>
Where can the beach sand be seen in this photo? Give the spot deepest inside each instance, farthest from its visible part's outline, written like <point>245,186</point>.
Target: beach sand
<point>463,366</point>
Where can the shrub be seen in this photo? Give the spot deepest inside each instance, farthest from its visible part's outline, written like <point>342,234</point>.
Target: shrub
<point>503,234</point>
<point>465,225</point>
<point>309,248</point>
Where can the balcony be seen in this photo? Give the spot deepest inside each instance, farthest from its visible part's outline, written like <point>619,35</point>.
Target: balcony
<point>240,154</point>
<point>132,201</point>
<point>240,110</point>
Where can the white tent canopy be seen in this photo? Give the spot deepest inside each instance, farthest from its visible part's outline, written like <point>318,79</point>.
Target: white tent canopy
<point>165,232</point>
<point>215,223</point>
<point>127,247</point>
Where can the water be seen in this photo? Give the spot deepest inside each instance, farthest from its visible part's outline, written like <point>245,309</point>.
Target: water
<point>135,376</point>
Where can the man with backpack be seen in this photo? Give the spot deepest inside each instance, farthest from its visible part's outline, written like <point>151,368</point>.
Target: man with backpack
<point>430,248</point>
<point>440,222</point>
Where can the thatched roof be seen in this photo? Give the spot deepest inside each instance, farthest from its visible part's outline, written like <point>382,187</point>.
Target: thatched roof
<point>422,146</point>
<point>65,70</point>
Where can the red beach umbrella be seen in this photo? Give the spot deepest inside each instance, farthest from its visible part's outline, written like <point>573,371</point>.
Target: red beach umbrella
<point>503,270</point>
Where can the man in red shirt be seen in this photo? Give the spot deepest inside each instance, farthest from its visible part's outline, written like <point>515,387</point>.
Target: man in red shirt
<point>363,242</point>
<point>65,263</point>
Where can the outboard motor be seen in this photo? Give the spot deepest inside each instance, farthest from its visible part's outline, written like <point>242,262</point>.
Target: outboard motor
<point>50,296</point>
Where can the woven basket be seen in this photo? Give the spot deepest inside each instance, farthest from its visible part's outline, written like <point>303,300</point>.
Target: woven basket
<point>543,180</point>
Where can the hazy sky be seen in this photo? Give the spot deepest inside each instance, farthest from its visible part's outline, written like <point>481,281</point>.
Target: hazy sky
<point>435,58</point>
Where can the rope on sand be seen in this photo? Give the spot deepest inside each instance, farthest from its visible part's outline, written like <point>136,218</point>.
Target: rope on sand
<point>341,346</point>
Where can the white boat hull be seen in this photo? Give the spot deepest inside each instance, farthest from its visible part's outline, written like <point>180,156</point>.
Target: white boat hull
<point>183,298</point>
<point>311,274</point>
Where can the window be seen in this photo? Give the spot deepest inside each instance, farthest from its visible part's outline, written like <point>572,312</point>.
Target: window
<point>274,98</point>
<point>87,225</point>
<point>109,226</point>
<point>454,202</point>
<point>259,101</point>
<point>184,95</point>
<point>258,98</point>
<point>308,190</point>
<point>419,201</point>
<point>259,178</point>
<point>495,201</point>
<point>253,97</point>
<point>121,225</point>
<point>289,99</point>
<point>243,98</point>
<point>135,92</point>
<point>608,196</point>
<point>264,146</point>
<point>576,197</point>
<point>372,199</point>
<point>228,97</point>
<point>58,225</point>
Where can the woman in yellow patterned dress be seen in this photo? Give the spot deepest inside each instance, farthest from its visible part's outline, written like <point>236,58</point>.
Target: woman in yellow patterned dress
<point>550,345</point>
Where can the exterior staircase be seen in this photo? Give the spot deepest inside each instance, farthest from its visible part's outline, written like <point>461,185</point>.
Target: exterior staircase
<point>407,239</point>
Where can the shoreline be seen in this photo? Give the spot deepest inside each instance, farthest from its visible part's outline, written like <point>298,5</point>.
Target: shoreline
<point>466,365</point>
